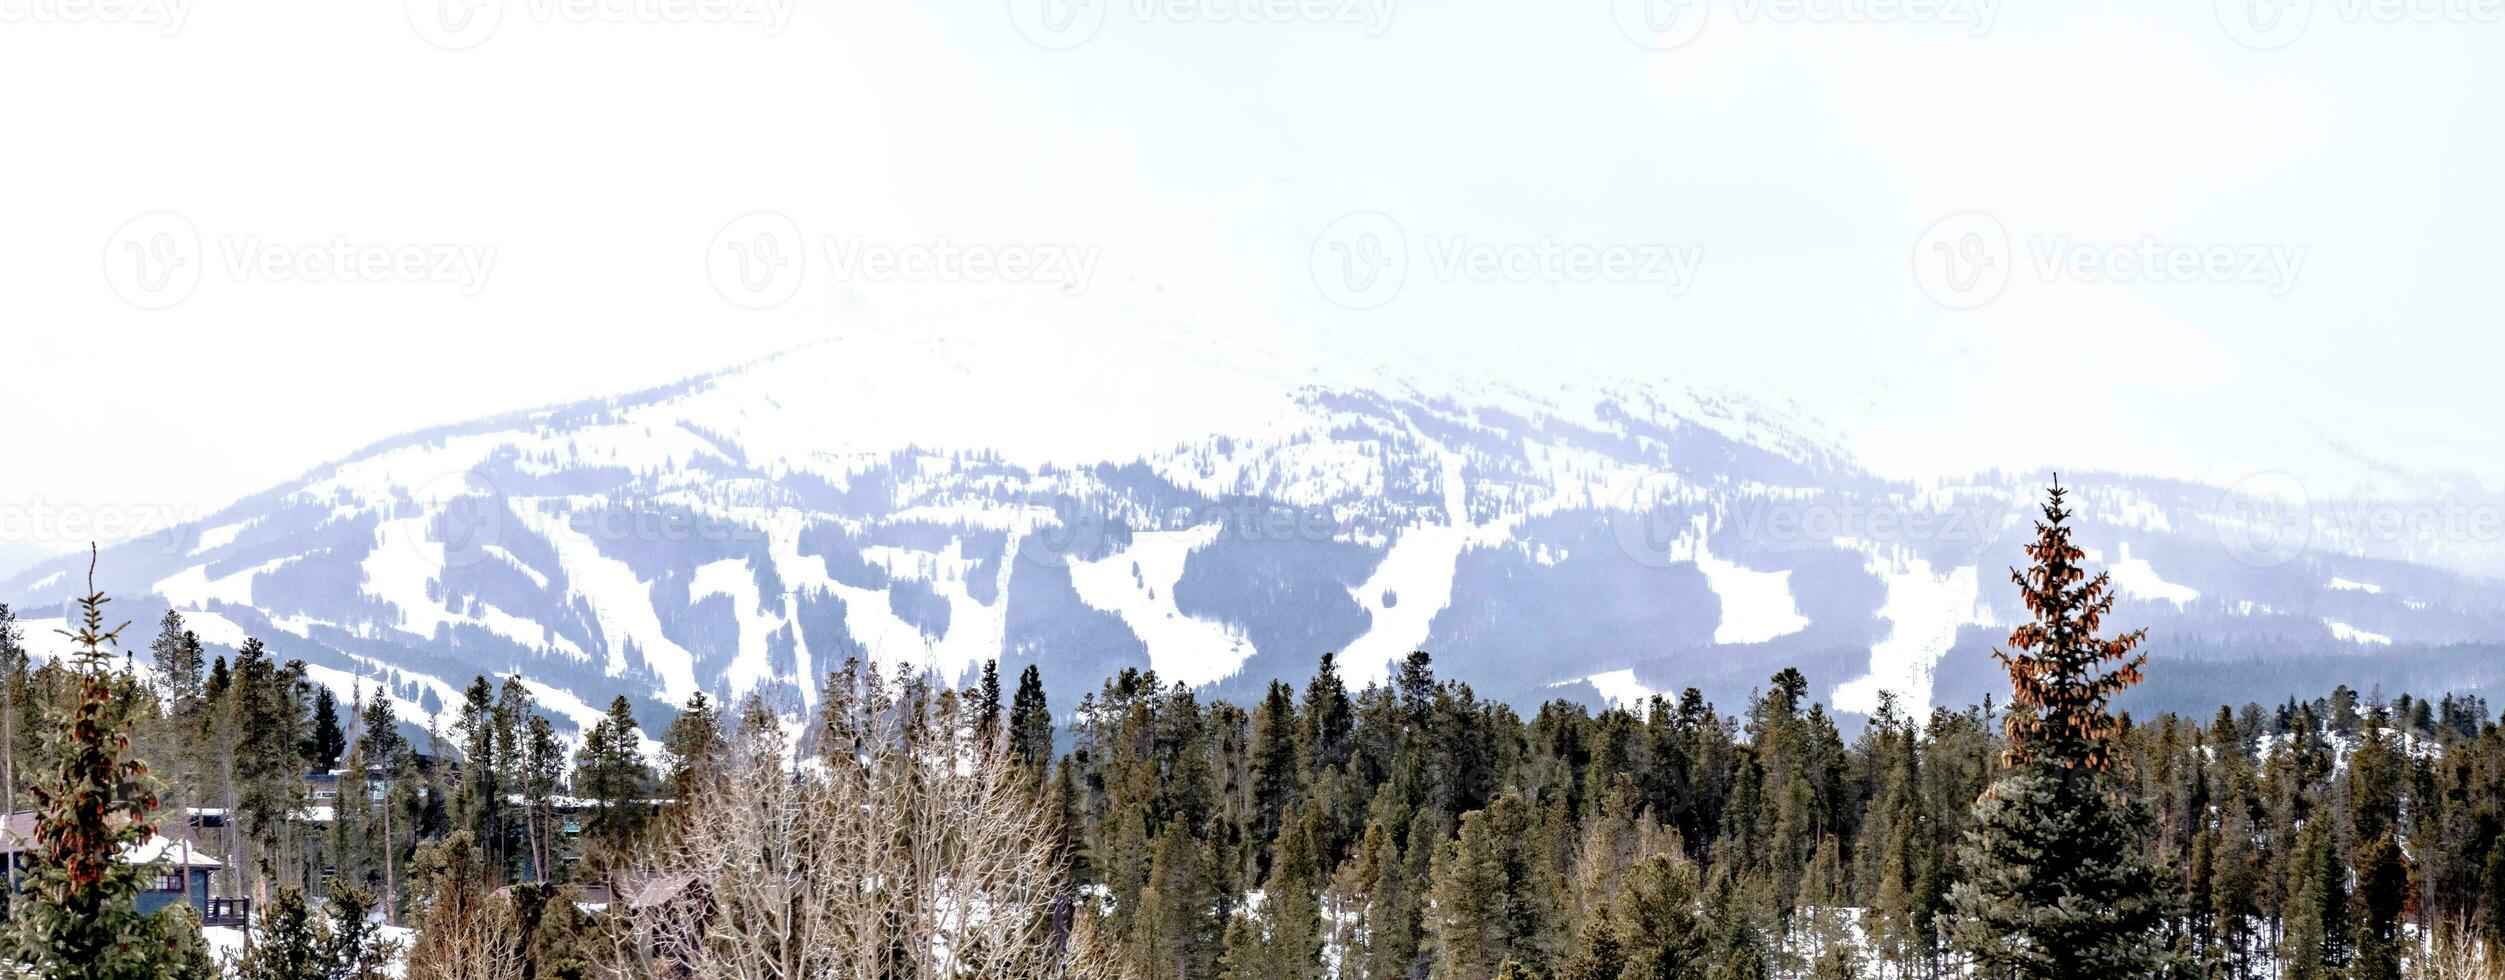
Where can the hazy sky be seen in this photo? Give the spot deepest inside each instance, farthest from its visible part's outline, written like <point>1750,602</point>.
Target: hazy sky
<point>2244,237</point>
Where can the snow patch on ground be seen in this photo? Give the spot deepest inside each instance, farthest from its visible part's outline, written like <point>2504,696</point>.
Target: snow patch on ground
<point>2343,631</point>
<point>193,587</point>
<point>403,570</point>
<point>751,666</point>
<point>1137,584</point>
<point>619,600</point>
<point>1619,688</point>
<point>220,536</point>
<point>1415,580</point>
<point>2350,585</point>
<point>1924,609</point>
<point>1756,606</point>
<point>2139,580</point>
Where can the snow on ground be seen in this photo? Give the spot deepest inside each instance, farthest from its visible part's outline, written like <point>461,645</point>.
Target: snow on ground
<point>1619,688</point>
<point>2351,585</point>
<point>752,665</point>
<point>347,687</point>
<point>1924,608</point>
<point>193,586</point>
<point>976,631</point>
<point>2139,580</point>
<point>220,536</point>
<point>2343,631</point>
<point>619,600</point>
<point>1756,606</point>
<point>1137,584</point>
<point>403,570</point>
<point>1415,580</point>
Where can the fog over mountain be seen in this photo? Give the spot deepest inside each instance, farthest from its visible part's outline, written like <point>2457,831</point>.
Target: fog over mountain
<point>931,504</point>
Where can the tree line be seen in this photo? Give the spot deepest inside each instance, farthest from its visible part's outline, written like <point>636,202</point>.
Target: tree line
<point>1408,830</point>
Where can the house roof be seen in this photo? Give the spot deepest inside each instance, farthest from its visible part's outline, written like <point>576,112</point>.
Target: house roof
<point>19,835</point>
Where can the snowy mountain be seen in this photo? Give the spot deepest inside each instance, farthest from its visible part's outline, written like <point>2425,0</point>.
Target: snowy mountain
<point>933,505</point>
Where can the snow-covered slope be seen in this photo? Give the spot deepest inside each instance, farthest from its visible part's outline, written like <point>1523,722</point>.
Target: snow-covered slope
<point>931,504</point>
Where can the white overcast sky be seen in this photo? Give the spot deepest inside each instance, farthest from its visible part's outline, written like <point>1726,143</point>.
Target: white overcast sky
<point>600,148</point>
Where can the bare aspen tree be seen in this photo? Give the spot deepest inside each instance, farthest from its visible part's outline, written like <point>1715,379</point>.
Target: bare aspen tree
<point>909,846</point>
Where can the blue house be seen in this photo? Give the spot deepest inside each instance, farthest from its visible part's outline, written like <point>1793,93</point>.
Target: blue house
<point>183,872</point>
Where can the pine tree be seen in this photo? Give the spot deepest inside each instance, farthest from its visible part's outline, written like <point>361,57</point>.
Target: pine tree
<point>2056,885</point>
<point>268,769</point>
<point>610,772</point>
<point>13,684</point>
<point>1274,760</point>
<point>1656,918</point>
<point>1030,721</point>
<point>325,742</point>
<point>2382,895</point>
<point>1491,900</point>
<point>543,768</point>
<point>1177,935</point>
<point>289,942</point>
<point>987,700</point>
<point>694,747</point>
<point>177,656</point>
<point>75,916</point>
<point>1597,955</point>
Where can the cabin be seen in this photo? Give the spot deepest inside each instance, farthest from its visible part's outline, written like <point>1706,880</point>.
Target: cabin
<point>183,871</point>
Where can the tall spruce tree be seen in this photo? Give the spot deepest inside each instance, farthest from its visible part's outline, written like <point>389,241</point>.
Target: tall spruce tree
<point>2057,886</point>
<point>1030,721</point>
<point>75,916</point>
